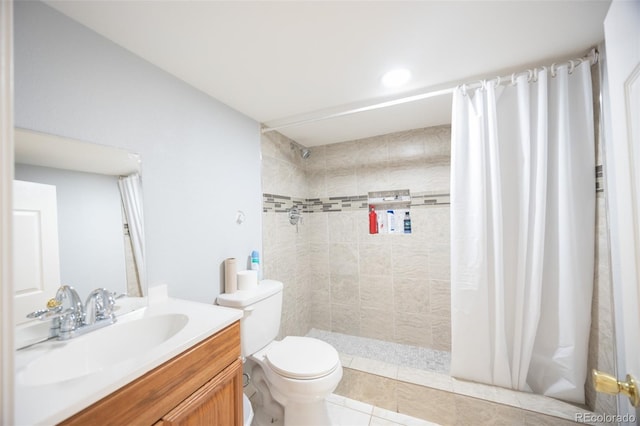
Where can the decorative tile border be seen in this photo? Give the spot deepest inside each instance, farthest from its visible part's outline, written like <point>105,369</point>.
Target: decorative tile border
<point>599,179</point>
<point>281,203</point>
<point>430,199</point>
<point>273,203</point>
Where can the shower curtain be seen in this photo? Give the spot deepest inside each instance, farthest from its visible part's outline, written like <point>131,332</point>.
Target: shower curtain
<point>131,192</point>
<point>522,232</point>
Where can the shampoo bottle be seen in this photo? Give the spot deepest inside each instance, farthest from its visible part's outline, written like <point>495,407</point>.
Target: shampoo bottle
<point>391,220</point>
<point>373,221</point>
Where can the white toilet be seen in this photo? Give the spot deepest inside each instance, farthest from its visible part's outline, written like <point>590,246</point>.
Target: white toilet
<point>294,375</point>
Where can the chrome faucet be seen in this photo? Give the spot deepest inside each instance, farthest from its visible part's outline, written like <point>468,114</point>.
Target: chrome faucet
<point>99,306</point>
<point>70,318</point>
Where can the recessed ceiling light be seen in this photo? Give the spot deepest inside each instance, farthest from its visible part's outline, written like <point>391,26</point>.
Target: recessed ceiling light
<point>396,78</point>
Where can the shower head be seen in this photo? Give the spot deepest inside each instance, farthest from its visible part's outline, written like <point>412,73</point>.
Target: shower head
<point>304,151</point>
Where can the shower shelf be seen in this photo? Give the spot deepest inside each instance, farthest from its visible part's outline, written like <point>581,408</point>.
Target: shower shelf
<point>392,199</point>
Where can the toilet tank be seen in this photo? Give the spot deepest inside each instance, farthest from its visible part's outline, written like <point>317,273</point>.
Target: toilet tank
<point>262,308</point>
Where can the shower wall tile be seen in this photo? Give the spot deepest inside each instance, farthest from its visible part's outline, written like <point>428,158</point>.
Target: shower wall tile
<point>345,318</point>
<point>316,183</point>
<point>602,338</point>
<point>339,277</point>
<point>373,152</point>
<point>375,323</point>
<point>285,253</point>
<point>342,180</point>
<point>408,260</point>
<point>437,222</point>
<point>343,227</point>
<point>413,329</point>
<point>375,259</point>
<point>376,293</point>
<point>343,260</point>
<point>439,261</point>
<point>407,146</point>
<point>372,178</point>
<point>411,295</point>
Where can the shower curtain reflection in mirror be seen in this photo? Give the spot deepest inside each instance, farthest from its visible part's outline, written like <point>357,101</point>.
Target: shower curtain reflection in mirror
<point>131,191</point>
<point>522,232</point>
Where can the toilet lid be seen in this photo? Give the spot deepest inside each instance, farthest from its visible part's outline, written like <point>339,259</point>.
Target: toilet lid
<point>302,358</point>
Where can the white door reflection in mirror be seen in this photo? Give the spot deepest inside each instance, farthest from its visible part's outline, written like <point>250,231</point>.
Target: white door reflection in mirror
<point>35,247</point>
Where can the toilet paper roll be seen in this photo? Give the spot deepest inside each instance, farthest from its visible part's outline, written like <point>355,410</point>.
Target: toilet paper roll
<point>230,276</point>
<point>247,280</point>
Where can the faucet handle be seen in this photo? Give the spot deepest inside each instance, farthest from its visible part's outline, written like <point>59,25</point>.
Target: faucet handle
<point>99,305</point>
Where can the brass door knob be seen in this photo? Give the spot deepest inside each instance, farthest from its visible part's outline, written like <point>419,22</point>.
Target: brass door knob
<point>606,383</point>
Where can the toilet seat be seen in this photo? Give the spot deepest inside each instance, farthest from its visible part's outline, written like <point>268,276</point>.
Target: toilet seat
<point>302,358</point>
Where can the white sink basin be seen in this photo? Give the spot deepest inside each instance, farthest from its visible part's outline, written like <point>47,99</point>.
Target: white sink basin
<point>99,349</point>
<point>55,380</point>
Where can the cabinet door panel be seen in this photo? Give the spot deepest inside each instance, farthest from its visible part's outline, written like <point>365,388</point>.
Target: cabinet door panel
<point>213,404</point>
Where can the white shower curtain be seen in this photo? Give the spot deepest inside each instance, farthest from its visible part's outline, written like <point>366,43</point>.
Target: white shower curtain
<point>522,229</point>
<point>131,192</point>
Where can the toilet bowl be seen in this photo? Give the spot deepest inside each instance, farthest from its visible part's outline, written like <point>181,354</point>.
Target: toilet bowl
<point>300,373</point>
<point>293,376</point>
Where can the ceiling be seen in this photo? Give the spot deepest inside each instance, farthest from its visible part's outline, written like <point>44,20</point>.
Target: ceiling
<point>282,61</point>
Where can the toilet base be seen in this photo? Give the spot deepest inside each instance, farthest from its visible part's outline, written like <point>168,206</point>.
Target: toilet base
<point>262,418</point>
<point>315,414</point>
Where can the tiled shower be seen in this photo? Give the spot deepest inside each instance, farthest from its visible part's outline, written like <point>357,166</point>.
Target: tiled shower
<point>395,288</point>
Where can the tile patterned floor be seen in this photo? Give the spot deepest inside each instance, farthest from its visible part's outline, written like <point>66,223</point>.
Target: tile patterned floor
<point>391,353</point>
<point>387,362</point>
<point>348,412</point>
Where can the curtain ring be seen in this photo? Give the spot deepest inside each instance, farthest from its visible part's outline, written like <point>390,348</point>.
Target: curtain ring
<point>498,81</point>
<point>513,79</point>
<point>553,70</point>
<point>535,75</point>
<point>529,76</point>
<point>464,90</point>
<point>572,66</point>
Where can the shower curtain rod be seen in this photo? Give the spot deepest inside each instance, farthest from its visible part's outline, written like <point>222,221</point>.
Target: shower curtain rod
<point>591,57</point>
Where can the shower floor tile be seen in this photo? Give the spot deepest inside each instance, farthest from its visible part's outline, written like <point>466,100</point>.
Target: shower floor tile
<point>429,369</point>
<point>390,353</point>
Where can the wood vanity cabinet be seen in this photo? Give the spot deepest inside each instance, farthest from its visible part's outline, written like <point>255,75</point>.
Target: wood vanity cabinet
<point>201,386</point>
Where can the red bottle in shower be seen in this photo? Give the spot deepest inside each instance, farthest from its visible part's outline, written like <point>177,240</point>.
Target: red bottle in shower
<point>373,221</point>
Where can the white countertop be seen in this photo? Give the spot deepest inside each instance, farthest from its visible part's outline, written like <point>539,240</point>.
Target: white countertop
<point>51,403</point>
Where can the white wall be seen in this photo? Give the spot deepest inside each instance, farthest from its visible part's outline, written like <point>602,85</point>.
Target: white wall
<point>201,159</point>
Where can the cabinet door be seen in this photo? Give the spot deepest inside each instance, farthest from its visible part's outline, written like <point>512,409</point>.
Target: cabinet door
<point>217,403</point>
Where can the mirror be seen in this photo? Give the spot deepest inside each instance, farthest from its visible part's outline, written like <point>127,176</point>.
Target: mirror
<point>96,225</point>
